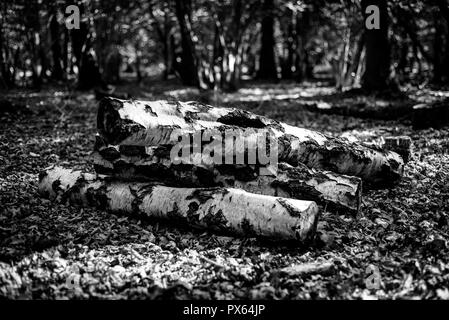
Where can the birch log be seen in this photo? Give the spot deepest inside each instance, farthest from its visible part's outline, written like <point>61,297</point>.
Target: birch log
<point>145,123</point>
<point>402,145</point>
<point>218,209</point>
<point>335,191</point>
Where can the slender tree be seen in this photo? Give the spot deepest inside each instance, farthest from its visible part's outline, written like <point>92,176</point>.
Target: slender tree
<point>163,27</point>
<point>267,63</point>
<point>188,67</point>
<point>88,70</point>
<point>303,26</point>
<point>288,31</point>
<point>377,61</point>
<point>6,79</point>
<point>57,72</point>
<point>441,43</point>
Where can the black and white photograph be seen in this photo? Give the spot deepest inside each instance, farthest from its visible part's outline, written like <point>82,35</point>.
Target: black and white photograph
<point>224,150</point>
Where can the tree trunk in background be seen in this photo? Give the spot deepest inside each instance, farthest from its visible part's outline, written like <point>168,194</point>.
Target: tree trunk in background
<point>289,49</point>
<point>111,72</point>
<point>79,39</point>
<point>225,64</point>
<point>173,54</point>
<point>137,63</point>
<point>45,61</point>
<point>351,76</point>
<point>5,76</point>
<point>33,42</point>
<point>234,52</point>
<point>57,72</point>
<point>34,47</point>
<point>304,69</point>
<point>89,75</point>
<point>249,56</point>
<point>189,64</point>
<point>66,63</point>
<point>88,70</point>
<point>377,61</point>
<point>216,209</point>
<point>164,31</point>
<point>402,65</point>
<point>442,55</point>
<point>267,61</point>
<point>438,49</point>
<point>168,50</point>
<point>217,58</point>
<point>166,54</point>
<point>341,63</point>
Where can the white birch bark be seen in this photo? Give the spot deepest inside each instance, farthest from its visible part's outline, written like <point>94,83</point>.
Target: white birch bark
<point>219,209</point>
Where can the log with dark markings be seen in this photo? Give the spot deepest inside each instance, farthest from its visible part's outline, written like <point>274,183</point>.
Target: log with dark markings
<point>144,123</point>
<point>402,145</point>
<point>220,209</point>
<point>330,189</point>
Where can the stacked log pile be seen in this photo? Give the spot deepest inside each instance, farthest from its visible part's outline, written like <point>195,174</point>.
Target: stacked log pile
<point>138,123</point>
<point>153,164</point>
<point>137,174</point>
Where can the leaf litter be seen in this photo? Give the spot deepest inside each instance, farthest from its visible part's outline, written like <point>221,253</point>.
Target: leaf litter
<point>53,251</point>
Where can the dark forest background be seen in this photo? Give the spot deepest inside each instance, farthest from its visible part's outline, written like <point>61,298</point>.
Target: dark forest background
<point>219,44</point>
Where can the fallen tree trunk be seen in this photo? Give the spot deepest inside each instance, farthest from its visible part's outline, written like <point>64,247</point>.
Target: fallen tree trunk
<point>141,123</point>
<point>218,209</point>
<point>402,145</point>
<point>337,192</point>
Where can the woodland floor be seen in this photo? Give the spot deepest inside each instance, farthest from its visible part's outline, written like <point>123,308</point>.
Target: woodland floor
<point>45,247</point>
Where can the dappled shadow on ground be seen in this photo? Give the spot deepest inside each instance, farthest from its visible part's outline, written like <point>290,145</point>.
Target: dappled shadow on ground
<point>54,251</point>
<point>315,97</point>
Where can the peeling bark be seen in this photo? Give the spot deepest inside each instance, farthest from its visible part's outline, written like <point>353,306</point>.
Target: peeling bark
<point>219,209</point>
<point>144,123</point>
<point>337,192</point>
<point>402,145</point>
